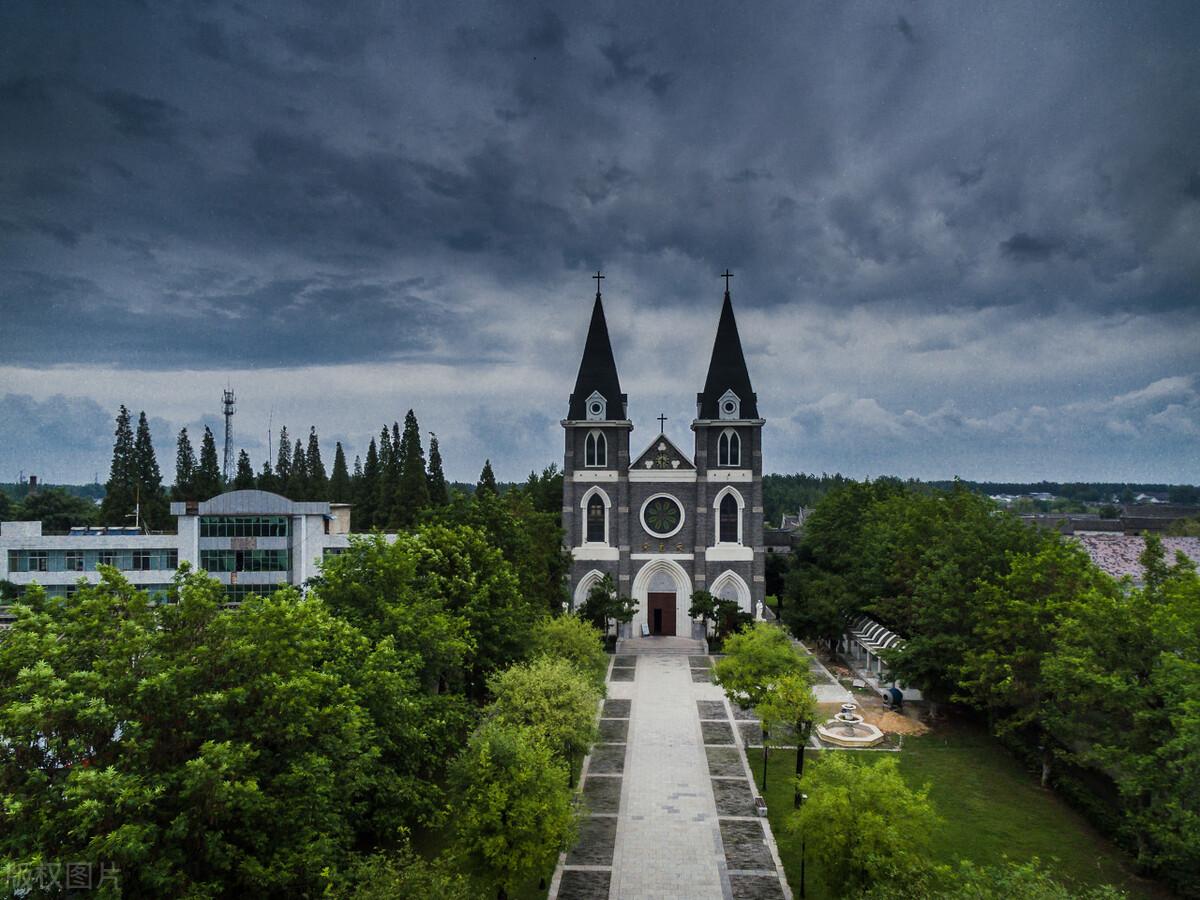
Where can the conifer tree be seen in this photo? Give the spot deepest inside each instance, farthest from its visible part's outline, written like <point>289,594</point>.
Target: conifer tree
<point>318,481</point>
<point>368,491</point>
<point>266,478</point>
<point>148,487</point>
<point>412,494</point>
<point>207,482</point>
<point>439,494</point>
<point>339,482</point>
<point>244,480</point>
<point>283,460</point>
<point>397,450</point>
<point>389,477</point>
<point>118,490</point>
<point>357,474</point>
<point>185,467</point>
<point>487,480</point>
<point>297,481</point>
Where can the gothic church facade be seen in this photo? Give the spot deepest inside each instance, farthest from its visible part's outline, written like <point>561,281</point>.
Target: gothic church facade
<point>660,523</point>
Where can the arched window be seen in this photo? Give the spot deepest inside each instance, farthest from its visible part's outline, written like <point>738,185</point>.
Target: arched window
<point>728,523</point>
<point>729,449</point>
<point>596,526</point>
<point>595,450</point>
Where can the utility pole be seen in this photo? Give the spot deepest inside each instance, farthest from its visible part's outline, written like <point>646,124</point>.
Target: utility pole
<point>229,409</point>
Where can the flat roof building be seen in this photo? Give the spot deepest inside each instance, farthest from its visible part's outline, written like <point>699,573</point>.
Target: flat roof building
<point>250,541</point>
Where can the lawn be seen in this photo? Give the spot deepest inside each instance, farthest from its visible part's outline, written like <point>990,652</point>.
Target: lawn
<point>991,807</point>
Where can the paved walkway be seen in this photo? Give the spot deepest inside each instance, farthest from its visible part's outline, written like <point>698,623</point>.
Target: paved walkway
<point>683,826</point>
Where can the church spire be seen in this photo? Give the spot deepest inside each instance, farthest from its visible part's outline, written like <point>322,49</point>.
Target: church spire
<point>727,371</point>
<point>597,371</point>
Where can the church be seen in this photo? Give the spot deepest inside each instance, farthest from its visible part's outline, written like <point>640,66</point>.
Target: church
<point>661,523</point>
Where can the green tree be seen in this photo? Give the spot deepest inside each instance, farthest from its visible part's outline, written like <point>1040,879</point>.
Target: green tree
<point>119,489</point>
<point>552,698</point>
<point>388,481</point>
<point>202,751</point>
<point>367,496</point>
<point>55,509</point>
<point>5,505</point>
<point>297,480</point>
<point>207,482</point>
<point>604,606</point>
<point>513,814</point>
<point>340,490</point>
<point>863,826</point>
<point>569,637</point>
<point>755,659</point>
<point>151,497</point>
<point>399,875</point>
<point>790,703</point>
<point>266,478</point>
<point>283,459</point>
<point>318,481</point>
<point>545,491</point>
<point>412,490</point>
<point>439,493</point>
<point>244,479</point>
<point>487,479</point>
<point>185,467</point>
<point>704,607</point>
<point>1026,880</point>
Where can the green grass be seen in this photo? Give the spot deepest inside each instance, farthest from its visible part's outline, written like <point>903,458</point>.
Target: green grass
<point>991,809</point>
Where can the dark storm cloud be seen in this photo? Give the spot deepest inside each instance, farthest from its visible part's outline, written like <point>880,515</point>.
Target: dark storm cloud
<point>281,185</point>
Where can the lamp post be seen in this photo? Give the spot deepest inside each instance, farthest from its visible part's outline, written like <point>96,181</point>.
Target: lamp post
<point>803,797</point>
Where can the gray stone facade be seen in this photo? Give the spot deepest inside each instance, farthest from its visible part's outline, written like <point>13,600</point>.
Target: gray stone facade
<point>681,556</point>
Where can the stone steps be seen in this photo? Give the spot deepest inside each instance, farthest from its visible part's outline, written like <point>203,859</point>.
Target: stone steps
<point>662,644</point>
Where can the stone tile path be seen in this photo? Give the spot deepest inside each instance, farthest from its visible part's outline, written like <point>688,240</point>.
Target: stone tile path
<point>671,802</point>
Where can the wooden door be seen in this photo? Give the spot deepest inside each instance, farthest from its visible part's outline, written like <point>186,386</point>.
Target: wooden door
<point>660,609</point>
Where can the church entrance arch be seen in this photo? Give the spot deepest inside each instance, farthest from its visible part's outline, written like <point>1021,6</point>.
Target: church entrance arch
<point>663,592</point>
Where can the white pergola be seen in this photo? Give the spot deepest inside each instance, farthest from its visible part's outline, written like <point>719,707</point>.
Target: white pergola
<point>863,640</point>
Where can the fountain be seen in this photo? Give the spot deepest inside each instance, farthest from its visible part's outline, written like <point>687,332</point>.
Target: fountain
<point>847,729</point>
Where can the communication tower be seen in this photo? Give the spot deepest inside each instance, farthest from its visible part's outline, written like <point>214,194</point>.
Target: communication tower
<point>229,409</point>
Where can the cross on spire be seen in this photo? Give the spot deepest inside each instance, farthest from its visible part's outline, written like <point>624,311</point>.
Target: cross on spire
<point>726,275</point>
<point>662,424</point>
<point>597,276</point>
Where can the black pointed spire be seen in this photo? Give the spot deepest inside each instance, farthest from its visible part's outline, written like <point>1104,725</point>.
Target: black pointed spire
<point>727,369</point>
<point>597,369</point>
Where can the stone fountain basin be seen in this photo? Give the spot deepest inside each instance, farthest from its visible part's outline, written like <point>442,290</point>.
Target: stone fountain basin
<point>834,732</point>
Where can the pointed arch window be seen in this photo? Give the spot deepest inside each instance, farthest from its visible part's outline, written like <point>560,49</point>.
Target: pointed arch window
<point>729,449</point>
<point>728,521</point>
<point>595,450</point>
<point>597,526</point>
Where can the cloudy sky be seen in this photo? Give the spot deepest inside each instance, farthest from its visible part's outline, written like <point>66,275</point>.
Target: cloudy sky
<point>965,237</point>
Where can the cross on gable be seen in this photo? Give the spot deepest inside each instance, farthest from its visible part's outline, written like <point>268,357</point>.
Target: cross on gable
<point>726,275</point>
<point>597,277</point>
<point>662,424</point>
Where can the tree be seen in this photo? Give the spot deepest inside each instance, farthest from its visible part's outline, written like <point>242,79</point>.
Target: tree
<point>412,490</point>
<point>1027,880</point>
<point>790,703</point>
<point>203,751</point>
<point>55,509</point>
<point>5,506</point>
<point>283,459</point>
<point>439,494</point>
<point>244,479</point>
<point>487,479</point>
<point>339,481</point>
<point>604,605</point>
<point>148,487</point>
<point>318,482</point>
<point>297,480</point>
<point>704,607</point>
<point>364,513</point>
<point>388,481</point>
<point>401,875</point>
<point>119,489</point>
<point>266,478</point>
<point>864,826</point>
<point>755,659</point>
<point>513,813</point>
<point>185,467</point>
<point>553,699</point>
<point>207,482</point>
<point>569,637</point>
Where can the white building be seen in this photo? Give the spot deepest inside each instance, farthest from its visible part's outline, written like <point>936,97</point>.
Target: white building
<point>251,541</point>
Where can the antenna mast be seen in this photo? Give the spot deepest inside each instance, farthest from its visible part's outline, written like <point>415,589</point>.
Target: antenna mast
<point>229,409</point>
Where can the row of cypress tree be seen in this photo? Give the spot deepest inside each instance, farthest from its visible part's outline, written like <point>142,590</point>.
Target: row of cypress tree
<point>388,488</point>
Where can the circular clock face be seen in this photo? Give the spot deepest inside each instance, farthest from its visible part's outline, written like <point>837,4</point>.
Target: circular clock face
<point>595,408</point>
<point>729,407</point>
<point>662,516</point>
